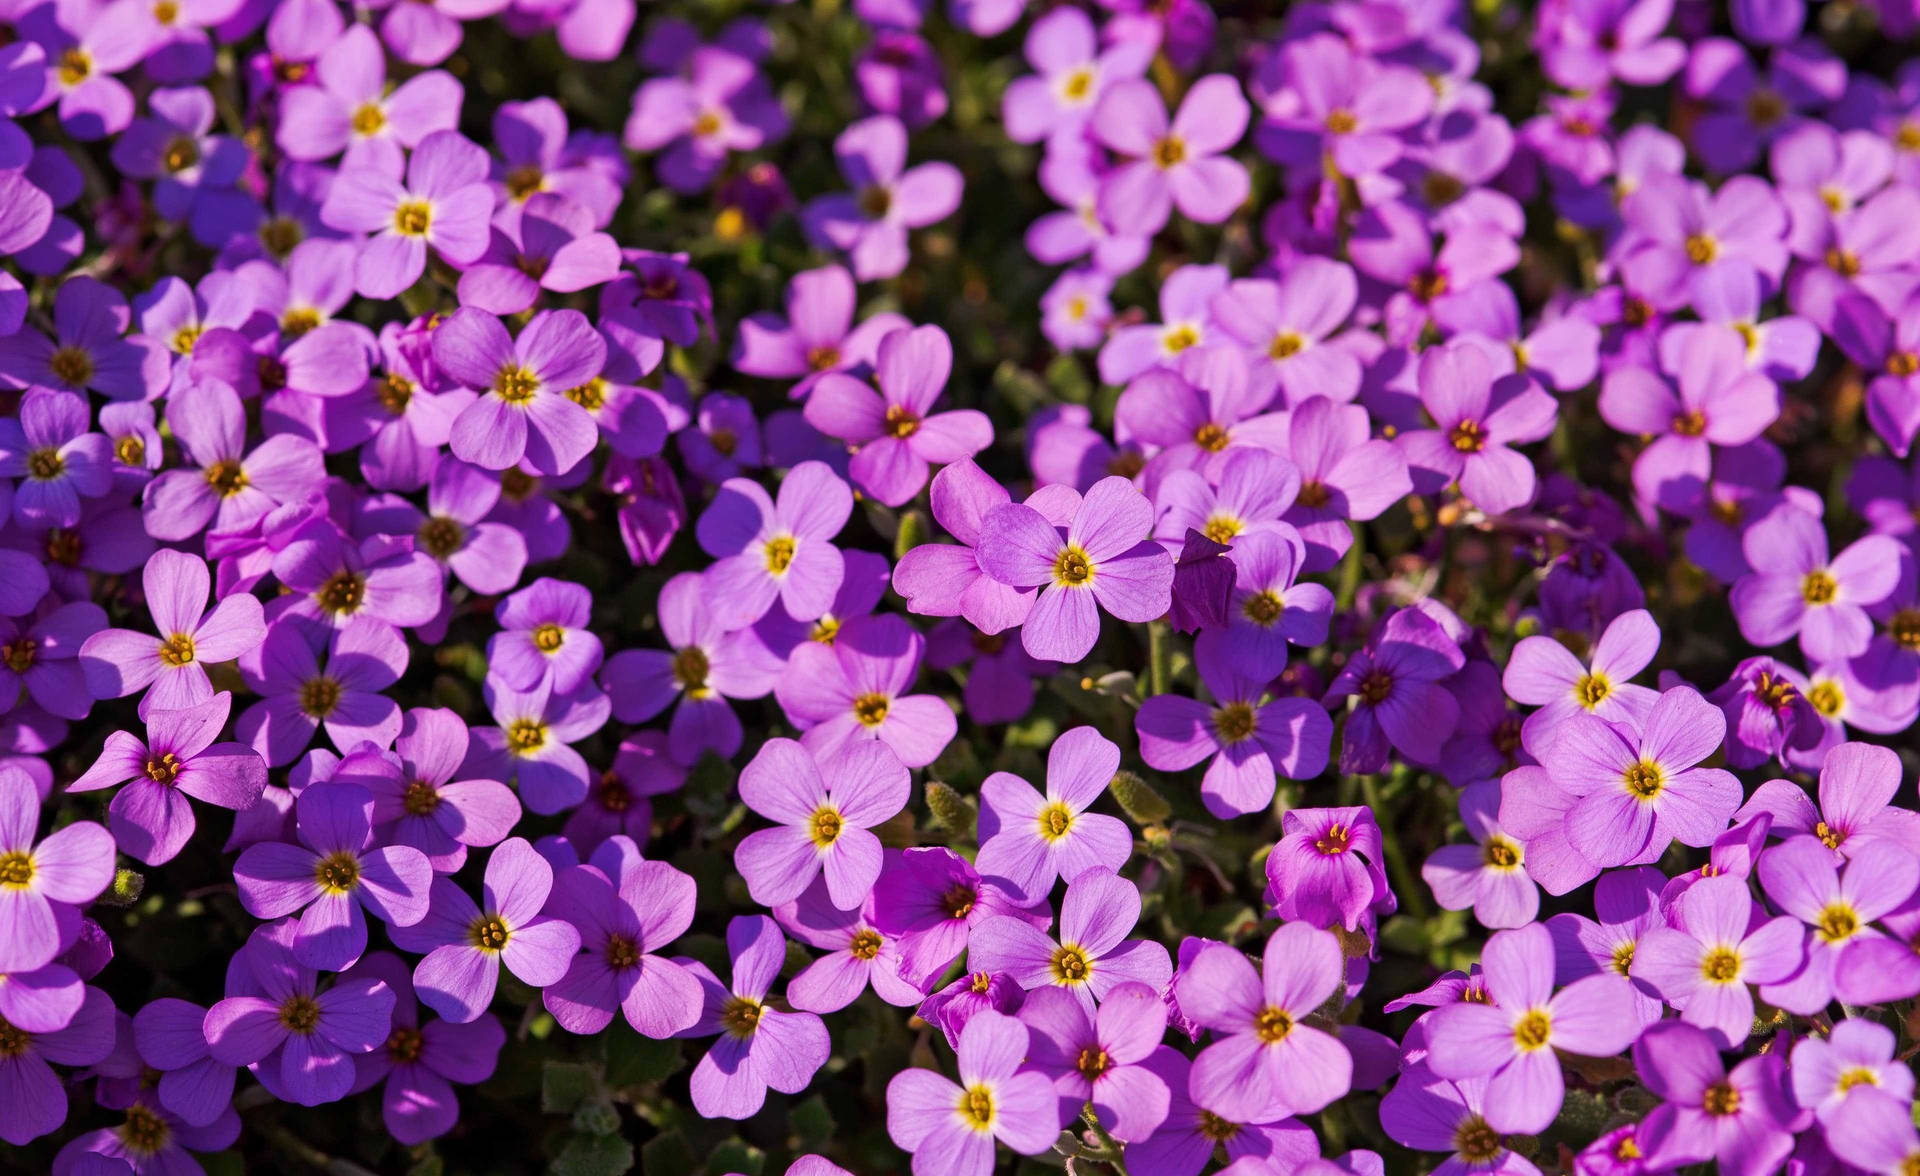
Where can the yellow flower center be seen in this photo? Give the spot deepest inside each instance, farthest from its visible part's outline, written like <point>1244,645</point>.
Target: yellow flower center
<point>1721,965</point>
<point>369,119</point>
<point>1500,853</point>
<point>489,933</point>
<point>1334,841</point>
<point>1093,1062</point>
<point>226,477</point>
<point>976,1107</point>
<point>420,798</point>
<point>299,321</point>
<point>1272,1024</point>
<point>177,650</point>
<point>442,536</point>
<point>1077,85</point>
<point>1070,965</point>
<point>524,181</point>
<point>1818,587</point>
<point>824,826</point>
<point>181,154</point>
<point>1701,248</point>
<point>526,736</point>
<point>1056,820</point>
<point>75,66</point>
<point>1827,697</point>
<point>337,873</point>
<point>342,594</point>
<point>1837,923</point>
<point>1072,568</point>
<point>900,422</point>
<point>44,465</point>
<point>1721,1099</point>
<point>1234,722</point>
<point>144,1133</point>
<point>1169,152</point>
<point>163,768</point>
<point>412,218</point>
<point>1342,122</point>
<point>16,869</point>
<point>1285,344</point>
<point>1592,689</point>
<point>779,554</point>
<point>404,1044</point>
<point>865,944</point>
<point>319,696</point>
<point>515,384</point>
<point>72,365</point>
<point>740,1016</point>
<point>1533,1031</point>
<point>1467,437</point>
<point>1222,528</point>
<point>1219,1130</point>
<point>394,392</point>
<point>1475,1142</point>
<point>1645,780</point>
<point>622,952</point>
<point>591,395</point>
<point>299,1014</point>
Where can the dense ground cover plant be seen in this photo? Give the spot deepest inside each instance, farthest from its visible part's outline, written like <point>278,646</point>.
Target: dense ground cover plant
<point>1145,588</point>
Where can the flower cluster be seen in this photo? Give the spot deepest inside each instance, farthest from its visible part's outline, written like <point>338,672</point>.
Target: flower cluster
<point>1286,593</point>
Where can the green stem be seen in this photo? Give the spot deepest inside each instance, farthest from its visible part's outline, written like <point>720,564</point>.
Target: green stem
<point>1159,659</point>
<point>1406,884</point>
<point>1350,568</point>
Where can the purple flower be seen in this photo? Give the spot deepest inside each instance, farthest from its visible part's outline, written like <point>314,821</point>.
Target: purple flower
<point>229,487</point>
<point>42,883</point>
<point>1105,560</point>
<point>858,954</point>
<point>335,874</point>
<point>821,829</point>
<point>297,1040</point>
<point>1071,72</point>
<point>1028,841</point>
<point>349,107</point>
<point>544,636</point>
<point>720,105</point>
<point>364,657</point>
<point>1640,788</point>
<point>1703,964</point>
<point>759,1046</point>
<point>1171,163</point>
<point>1876,1133</point>
<point>1347,107</point>
<point>1839,907</point>
<point>1854,1061</point>
<point>1743,1118</point>
<point>707,665</point>
<point>335,580</point>
<point>418,802</point>
<point>1264,1058</point>
<point>1091,958</point>
<point>765,550</point>
<point>524,410</point>
<point>1187,1140</point>
<point>1797,588</point>
<point>624,922</point>
<point>419,1063</point>
<point>1398,702</point>
<point>1489,876</point>
<point>854,690</point>
<point>1249,742</point>
<point>88,350</point>
<point>1627,905</point>
<point>1678,227</point>
<point>551,245</point>
<point>870,224</point>
<point>1426,1112</point>
<point>1515,1039</point>
<point>175,149</point>
<point>817,336</point>
<point>150,817</point>
<point>1594,41</point>
<point>948,579</point>
<point>894,435</point>
<point>1343,476</point>
<point>1544,673</point>
<point>954,1124</point>
<point>1857,786</point>
<point>531,746</point>
<point>444,203</point>
<point>1475,429</point>
<point>170,1036</point>
<point>41,660</point>
<point>1098,1059</point>
<point>59,461</point>
<point>465,944</point>
<point>33,1095</point>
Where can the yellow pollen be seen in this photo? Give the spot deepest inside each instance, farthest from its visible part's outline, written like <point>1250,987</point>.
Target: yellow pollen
<point>779,554</point>
<point>707,125</point>
<point>163,768</point>
<point>824,826</point>
<point>1467,437</point>
<point>73,366</point>
<point>591,395</point>
<point>338,873</point>
<point>1263,608</point>
<point>369,119</point>
<point>865,944</point>
<point>185,338</point>
<point>44,465</point>
<point>1837,923</point>
<point>299,321</point>
<point>404,1044</point>
<point>1169,152</point>
<point>20,655</point>
<point>1856,1076</point>
<point>1500,853</point>
<point>181,154</point>
<point>1072,568</point>
<point>1093,1062</point>
<point>1234,722</point>
<point>1828,698</point>
<point>75,66</point>
<point>299,1014</point>
<point>442,536</point>
<point>227,477</point>
<point>16,869</point>
<point>958,900</point>
<point>394,392</point>
<point>144,1133</point>
<point>1334,841</point>
<point>1078,86</point>
<point>177,650</point>
<point>1622,958</point>
<point>1819,587</point>
<point>823,358</point>
<point>1272,1024</point>
<point>526,736</point>
<point>1721,1099</point>
<point>1475,1142</point>
<point>1533,1031</point>
<point>342,594</point>
<point>1828,835</point>
<point>524,181</point>
<point>1056,820</point>
<point>1285,345</point>
<point>549,637</point>
<point>489,933</point>
<point>740,1016</point>
<point>1179,339</point>
<point>1222,528</point>
<point>319,696</point>
<point>1904,628</point>
<point>1702,248</point>
<point>1903,363</point>
<point>1645,780</point>
<point>976,1107</point>
<point>412,218</point>
<point>900,422</point>
<point>515,384</point>
<point>1070,965</point>
<point>420,798</point>
<point>1215,1128</point>
<point>1592,689</point>
<point>1721,965</point>
<point>622,952</point>
<point>871,709</point>
<point>1376,687</point>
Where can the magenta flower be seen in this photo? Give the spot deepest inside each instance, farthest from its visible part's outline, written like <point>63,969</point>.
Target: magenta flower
<point>551,246</point>
<point>1640,789</point>
<point>41,883</point>
<point>759,1046</point>
<point>1104,560</point>
<point>948,579</point>
<point>718,105</point>
<point>335,580</point>
<point>1679,227</point>
<point>485,554</point>
<point>59,462</point>
<point>364,657</point>
<point>42,661</point>
<point>333,876</point>
<point>954,1125</point>
<point>1178,163</point>
<point>1854,1061</point>
<point>444,203</point>
<point>1192,1132</point>
<point>929,899</point>
<point>1091,958</point>
<point>1429,1113</point>
<point>1703,964</point>
<point>420,1063</point>
<point>1475,429</point>
<point>822,828</point>
<point>1248,741</point>
<point>1627,904</point>
<point>817,336</point>
<point>624,922</point>
<point>348,108</point>
<point>1742,1118</point>
<point>854,690</point>
<point>150,817</point>
<point>1514,1040</point>
<point>298,1040</point>
<point>1072,71</point>
<point>1344,475</point>
<point>1028,841</point>
<point>765,550</point>
<point>859,954</point>
<point>1263,1058</point>
<point>705,666</point>
<point>1326,868</point>
<point>465,944</point>
<point>894,435</point>
<point>870,224</point>
<point>1099,1058</point>
<point>524,410</point>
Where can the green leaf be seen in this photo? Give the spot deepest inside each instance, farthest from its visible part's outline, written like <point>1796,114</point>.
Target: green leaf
<point>593,1155</point>
<point>667,1152</point>
<point>565,1085</point>
<point>811,1120</point>
<point>633,1059</point>
<point>736,1155</point>
<point>596,1117</point>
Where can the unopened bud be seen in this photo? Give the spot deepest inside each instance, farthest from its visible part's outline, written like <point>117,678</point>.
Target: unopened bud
<point>912,533</point>
<point>949,808</point>
<point>1138,799</point>
<point>126,889</point>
